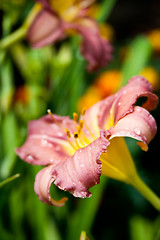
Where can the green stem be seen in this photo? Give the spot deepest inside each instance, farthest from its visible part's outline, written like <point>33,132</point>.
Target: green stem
<point>146,192</point>
<point>9,180</point>
<point>12,38</point>
<point>21,32</point>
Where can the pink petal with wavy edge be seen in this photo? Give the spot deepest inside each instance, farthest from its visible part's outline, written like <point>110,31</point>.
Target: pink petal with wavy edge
<point>46,140</point>
<point>81,171</point>
<point>124,100</point>
<point>40,150</point>
<point>46,28</point>
<point>121,103</point>
<point>139,125</point>
<point>42,185</point>
<point>95,49</point>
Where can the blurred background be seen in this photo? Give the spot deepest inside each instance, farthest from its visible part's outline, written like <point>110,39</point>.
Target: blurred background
<point>55,77</point>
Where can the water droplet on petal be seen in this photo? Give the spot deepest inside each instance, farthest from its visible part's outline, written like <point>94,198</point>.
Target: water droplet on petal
<point>139,110</point>
<point>137,131</point>
<point>82,165</point>
<point>29,158</point>
<point>59,134</point>
<point>44,142</point>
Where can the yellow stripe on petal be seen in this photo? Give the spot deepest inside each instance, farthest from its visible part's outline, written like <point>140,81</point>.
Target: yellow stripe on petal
<point>117,163</point>
<point>61,5</point>
<point>68,10</point>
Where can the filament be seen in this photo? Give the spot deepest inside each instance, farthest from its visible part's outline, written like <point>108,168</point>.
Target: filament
<point>68,137</point>
<point>50,113</point>
<point>84,122</point>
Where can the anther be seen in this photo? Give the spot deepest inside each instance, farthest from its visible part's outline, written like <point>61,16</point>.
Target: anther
<point>83,111</point>
<point>68,132</point>
<point>76,137</point>
<point>81,122</point>
<point>50,113</point>
<point>75,134</point>
<point>75,117</point>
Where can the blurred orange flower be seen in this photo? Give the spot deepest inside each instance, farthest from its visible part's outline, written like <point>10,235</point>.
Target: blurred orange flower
<point>153,76</point>
<point>106,84</point>
<point>154,38</point>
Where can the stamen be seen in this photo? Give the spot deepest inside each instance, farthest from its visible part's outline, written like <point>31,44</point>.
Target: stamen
<point>50,113</point>
<point>68,132</point>
<point>75,117</point>
<point>69,136</point>
<point>76,137</point>
<point>81,123</point>
<point>84,123</point>
<point>83,111</point>
<point>84,140</point>
<point>80,126</point>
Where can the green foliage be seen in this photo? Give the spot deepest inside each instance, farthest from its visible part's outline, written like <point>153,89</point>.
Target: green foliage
<point>55,77</point>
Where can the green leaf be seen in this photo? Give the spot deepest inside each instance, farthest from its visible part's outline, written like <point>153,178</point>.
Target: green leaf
<point>84,216</point>
<point>141,228</point>
<point>139,53</point>
<point>106,9</point>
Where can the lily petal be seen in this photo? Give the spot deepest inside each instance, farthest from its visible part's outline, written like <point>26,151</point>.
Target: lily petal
<point>45,29</point>
<point>42,185</point>
<point>124,100</point>
<point>107,112</point>
<point>95,115</point>
<point>117,162</point>
<point>47,140</point>
<point>139,125</point>
<point>81,171</point>
<point>127,97</point>
<point>95,49</point>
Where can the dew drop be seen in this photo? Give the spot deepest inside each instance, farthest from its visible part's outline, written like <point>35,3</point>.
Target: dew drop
<point>139,110</point>
<point>51,160</point>
<point>44,142</point>
<point>60,134</point>
<point>137,131</point>
<point>30,158</point>
<point>82,165</point>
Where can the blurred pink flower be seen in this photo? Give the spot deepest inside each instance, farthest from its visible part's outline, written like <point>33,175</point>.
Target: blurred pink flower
<point>76,153</point>
<point>56,20</point>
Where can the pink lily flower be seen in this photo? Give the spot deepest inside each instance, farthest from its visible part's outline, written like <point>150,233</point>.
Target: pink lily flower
<point>76,153</point>
<point>58,19</point>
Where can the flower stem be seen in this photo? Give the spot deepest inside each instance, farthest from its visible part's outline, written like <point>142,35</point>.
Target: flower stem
<point>12,38</point>
<point>146,192</point>
<point>9,180</point>
<point>21,32</point>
